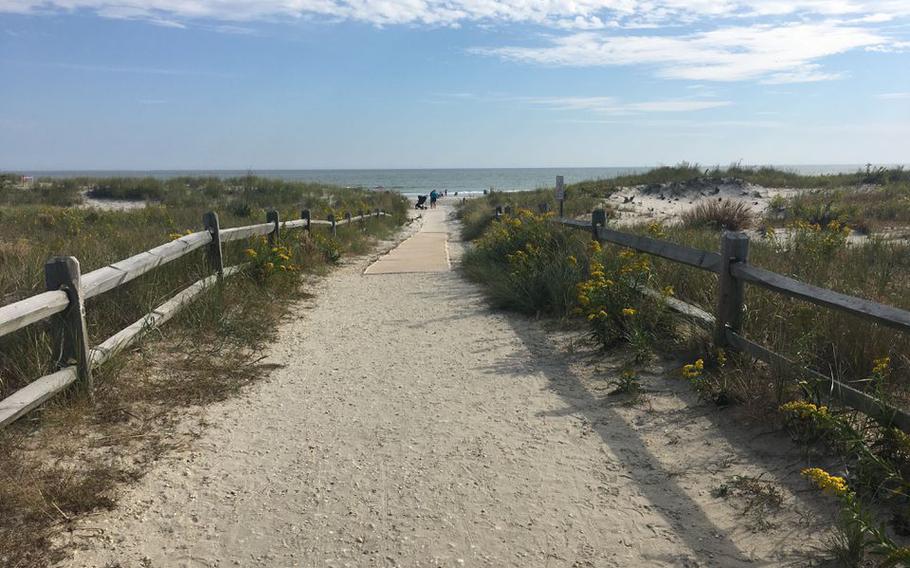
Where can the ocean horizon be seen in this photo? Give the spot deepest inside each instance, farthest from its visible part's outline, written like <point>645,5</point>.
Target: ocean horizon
<point>415,181</point>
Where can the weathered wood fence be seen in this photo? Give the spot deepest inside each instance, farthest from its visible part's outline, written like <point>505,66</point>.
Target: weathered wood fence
<point>67,290</point>
<point>731,264</point>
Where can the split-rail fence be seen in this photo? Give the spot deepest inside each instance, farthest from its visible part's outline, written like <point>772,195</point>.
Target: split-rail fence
<point>67,290</point>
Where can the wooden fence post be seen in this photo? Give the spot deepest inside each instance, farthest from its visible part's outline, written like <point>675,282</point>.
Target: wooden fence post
<point>544,208</point>
<point>210,222</point>
<point>305,215</point>
<point>63,273</point>
<point>331,218</point>
<point>734,248</point>
<point>598,219</point>
<point>497,214</point>
<point>360,214</point>
<point>508,210</point>
<point>275,235</point>
<point>347,217</point>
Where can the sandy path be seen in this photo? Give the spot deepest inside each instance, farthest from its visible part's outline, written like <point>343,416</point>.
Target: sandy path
<point>412,426</point>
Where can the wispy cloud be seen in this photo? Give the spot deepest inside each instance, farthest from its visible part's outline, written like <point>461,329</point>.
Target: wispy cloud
<point>597,105</point>
<point>576,14</point>
<point>135,70</point>
<point>772,41</point>
<point>772,54</point>
<point>894,96</point>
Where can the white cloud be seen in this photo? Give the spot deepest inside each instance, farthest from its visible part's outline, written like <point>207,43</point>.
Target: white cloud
<point>775,54</point>
<point>579,14</point>
<point>773,41</point>
<point>894,96</point>
<point>599,105</point>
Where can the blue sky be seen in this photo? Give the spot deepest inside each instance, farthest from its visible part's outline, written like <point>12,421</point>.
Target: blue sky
<point>164,84</point>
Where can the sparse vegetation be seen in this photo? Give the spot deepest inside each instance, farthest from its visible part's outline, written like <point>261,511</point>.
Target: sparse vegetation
<point>209,352</point>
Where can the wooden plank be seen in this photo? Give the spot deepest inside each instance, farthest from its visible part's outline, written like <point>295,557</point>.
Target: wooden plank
<point>697,258</point>
<point>295,224</point>
<point>847,395</point>
<point>694,312</point>
<point>109,277</point>
<point>35,393</point>
<point>25,312</point>
<point>880,313</point>
<point>237,233</point>
<point>117,342</point>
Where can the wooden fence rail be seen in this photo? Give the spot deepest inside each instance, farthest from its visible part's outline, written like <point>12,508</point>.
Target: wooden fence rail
<point>68,289</point>
<point>734,271</point>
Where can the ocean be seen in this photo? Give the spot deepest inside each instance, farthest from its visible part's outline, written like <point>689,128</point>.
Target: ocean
<point>417,181</point>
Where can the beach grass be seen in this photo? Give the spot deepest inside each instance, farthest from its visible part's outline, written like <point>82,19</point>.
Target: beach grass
<point>60,461</point>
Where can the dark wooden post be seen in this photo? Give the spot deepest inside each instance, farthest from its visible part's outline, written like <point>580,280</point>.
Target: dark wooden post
<point>62,273</point>
<point>360,214</point>
<point>275,235</point>
<point>544,208</point>
<point>347,217</point>
<point>598,219</point>
<point>508,210</point>
<point>376,212</point>
<point>734,248</point>
<point>497,214</point>
<point>305,215</point>
<point>332,220</point>
<point>210,222</point>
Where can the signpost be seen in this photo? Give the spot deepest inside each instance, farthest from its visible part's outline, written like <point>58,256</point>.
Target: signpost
<point>560,194</point>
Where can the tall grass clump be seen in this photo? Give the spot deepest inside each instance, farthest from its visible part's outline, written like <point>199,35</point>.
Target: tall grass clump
<point>526,264</point>
<point>718,215</point>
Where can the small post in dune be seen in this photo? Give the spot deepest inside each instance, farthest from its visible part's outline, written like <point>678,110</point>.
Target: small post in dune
<point>63,273</point>
<point>272,217</point>
<point>544,208</point>
<point>561,195</point>
<point>305,215</point>
<point>331,219</point>
<point>347,218</point>
<point>598,219</point>
<point>734,248</point>
<point>497,214</point>
<point>360,215</point>
<point>210,222</point>
<point>508,210</point>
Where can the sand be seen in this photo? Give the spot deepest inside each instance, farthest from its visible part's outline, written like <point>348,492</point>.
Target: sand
<point>411,425</point>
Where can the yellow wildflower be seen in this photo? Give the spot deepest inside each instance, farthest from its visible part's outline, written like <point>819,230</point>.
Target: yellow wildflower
<point>250,253</point>
<point>629,312</point>
<point>594,247</point>
<point>669,291</point>
<point>825,481</point>
<point>721,357</point>
<point>572,260</point>
<point>882,366</point>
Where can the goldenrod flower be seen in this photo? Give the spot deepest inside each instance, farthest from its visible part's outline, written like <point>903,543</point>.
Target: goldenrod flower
<point>572,260</point>
<point>629,312</point>
<point>250,253</point>
<point>825,481</point>
<point>882,366</point>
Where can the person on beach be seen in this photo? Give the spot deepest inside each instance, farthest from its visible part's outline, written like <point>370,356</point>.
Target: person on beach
<point>433,197</point>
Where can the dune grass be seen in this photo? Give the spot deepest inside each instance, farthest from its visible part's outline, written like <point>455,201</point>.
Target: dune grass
<point>62,461</point>
<point>527,264</point>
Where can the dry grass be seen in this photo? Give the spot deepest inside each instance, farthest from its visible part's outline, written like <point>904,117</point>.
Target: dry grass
<point>70,457</point>
<point>725,215</point>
